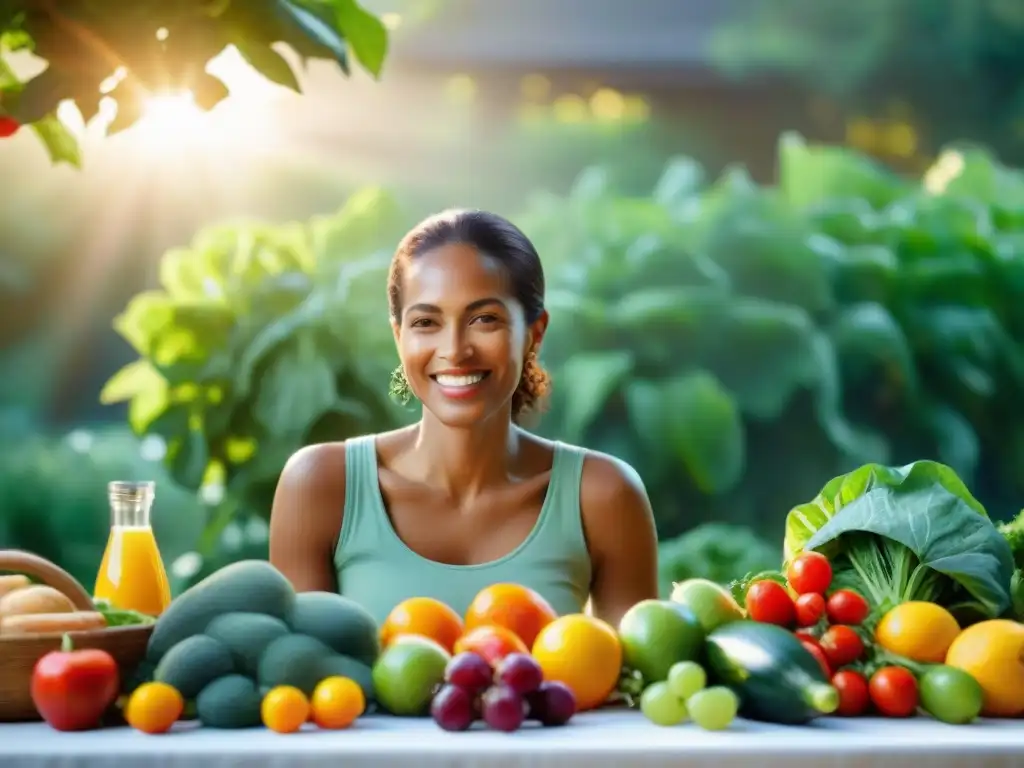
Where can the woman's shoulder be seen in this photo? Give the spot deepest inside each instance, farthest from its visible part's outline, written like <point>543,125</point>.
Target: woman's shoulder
<point>605,478</point>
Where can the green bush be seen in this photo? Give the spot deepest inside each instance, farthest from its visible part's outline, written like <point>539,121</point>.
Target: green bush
<point>763,338</point>
<point>263,339</point>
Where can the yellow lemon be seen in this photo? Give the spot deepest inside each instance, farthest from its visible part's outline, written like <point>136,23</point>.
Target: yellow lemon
<point>918,630</point>
<point>992,652</point>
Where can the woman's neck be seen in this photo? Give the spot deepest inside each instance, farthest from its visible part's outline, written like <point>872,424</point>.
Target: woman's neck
<point>465,461</point>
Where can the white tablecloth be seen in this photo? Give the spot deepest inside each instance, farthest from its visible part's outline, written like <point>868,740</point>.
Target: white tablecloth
<point>607,738</point>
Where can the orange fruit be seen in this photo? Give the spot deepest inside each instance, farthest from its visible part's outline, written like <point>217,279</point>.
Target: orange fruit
<point>493,643</point>
<point>337,702</point>
<point>582,652</point>
<point>284,709</point>
<point>426,617</point>
<point>512,606</point>
<point>154,708</point>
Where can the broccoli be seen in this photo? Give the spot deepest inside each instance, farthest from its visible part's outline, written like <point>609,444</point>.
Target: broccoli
<point>1013,532</point>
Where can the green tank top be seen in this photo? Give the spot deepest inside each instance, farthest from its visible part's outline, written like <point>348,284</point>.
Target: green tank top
<point>376,568</point>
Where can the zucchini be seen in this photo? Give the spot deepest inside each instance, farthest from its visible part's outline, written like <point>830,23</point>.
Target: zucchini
<point>775,677</point>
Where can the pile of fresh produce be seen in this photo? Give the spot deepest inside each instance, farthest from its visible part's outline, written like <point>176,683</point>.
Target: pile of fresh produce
<point>895,597</point>
<point>241,648</point>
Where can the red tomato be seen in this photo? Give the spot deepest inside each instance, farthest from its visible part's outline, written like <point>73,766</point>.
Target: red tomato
<point>8,126</point>
<point>842,645</point>
<point>806,636</point>
<point>894,692</point>
<point>770,603</point>
<point>809,573</point>
<point>819,655</point>
<point>845,606</point>
<point>854,697</point>
<point>810,607</point>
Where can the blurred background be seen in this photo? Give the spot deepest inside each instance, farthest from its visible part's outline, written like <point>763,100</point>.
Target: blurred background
<point>783,238</point>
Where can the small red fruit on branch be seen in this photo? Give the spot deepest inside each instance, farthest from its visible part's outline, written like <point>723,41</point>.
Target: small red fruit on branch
<point>8,126</point>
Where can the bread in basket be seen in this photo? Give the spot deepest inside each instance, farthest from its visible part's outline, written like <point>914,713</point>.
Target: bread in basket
<point>19,652</point>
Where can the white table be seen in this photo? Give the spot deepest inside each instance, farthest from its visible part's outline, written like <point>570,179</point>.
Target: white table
<point>594,740</point>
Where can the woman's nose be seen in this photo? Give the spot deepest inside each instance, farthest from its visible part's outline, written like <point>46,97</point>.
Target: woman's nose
<point>456,347</point>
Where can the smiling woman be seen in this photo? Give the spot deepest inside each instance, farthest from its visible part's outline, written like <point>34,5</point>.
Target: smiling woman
<point>466,497</point>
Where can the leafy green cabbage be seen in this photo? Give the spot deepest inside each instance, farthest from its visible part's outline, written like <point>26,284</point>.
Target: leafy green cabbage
<point>907,533</point>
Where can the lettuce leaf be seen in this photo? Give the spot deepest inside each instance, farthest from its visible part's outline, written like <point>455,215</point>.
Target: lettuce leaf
<point>907,533</point>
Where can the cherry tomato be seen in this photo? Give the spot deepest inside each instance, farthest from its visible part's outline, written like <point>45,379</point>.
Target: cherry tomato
<point>819,655</point>
<point>809,573</point>
<point>800,635</point>
<point>854,697</point>
<point>8,126</point>
<point>845,606</point>
<point>842,645</point>
<point>810,607</point>
<point>770,603</point>
<point>894,692</point>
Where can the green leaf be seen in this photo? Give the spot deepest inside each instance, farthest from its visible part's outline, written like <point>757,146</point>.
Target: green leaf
<point>957,442</point>
<point>975,174</point>
<point>810,175</point>
<point>311,312</point>
<point>133,379</point>
<point>872,347</point>
<point>268,63</point>
<point>365,34</point>
<point>296,389</point>
<point>315,28</point>
<point>37,97</point>
<point>148,314</point>
<point>924,507</point>
<point>860,272</point>
<point>704,431</point>
<point>148,405</point>
<point>189,458</point>
<point>60,143</point>
<point>592,377</point>
<point>646,406</point>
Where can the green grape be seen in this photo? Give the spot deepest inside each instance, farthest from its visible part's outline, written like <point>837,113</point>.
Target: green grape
<point>685,678</point>
<point>713,709</point>
<point>662,707</point>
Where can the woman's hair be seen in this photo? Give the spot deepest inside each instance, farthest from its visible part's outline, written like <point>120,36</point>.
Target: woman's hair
<point>503,241</point>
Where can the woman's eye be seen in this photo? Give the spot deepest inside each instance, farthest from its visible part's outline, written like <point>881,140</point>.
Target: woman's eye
<point>422,322</point>
<point>486,318</point>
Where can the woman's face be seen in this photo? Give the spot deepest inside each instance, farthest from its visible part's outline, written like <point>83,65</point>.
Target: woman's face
<point>462,336</point>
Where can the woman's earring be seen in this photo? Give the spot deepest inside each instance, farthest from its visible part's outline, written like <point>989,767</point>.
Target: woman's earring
<point>398,388</point>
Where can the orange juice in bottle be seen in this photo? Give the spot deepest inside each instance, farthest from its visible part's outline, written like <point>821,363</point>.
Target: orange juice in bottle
<point>132,575</point>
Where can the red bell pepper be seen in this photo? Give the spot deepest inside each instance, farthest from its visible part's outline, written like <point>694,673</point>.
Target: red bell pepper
<point>72,689</point>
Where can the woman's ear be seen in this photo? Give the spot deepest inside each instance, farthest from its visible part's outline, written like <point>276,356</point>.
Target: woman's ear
<point>537,331</point>
<point>395,329</point>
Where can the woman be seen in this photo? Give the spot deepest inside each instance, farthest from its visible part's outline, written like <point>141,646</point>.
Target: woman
<point>465,498</point>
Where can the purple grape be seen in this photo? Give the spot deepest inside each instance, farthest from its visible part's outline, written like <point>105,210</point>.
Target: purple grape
<point>503,709</point>
<point>521,673</point>
<point>470,671</point>
<point>552,704</point>
<point>453,708</point>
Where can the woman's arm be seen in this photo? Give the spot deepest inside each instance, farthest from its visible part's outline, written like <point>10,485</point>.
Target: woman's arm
<point>623,542</point>
<point>306,518</point>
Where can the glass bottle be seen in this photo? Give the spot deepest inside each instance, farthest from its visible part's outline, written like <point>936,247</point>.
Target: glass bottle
<point>132,574</point>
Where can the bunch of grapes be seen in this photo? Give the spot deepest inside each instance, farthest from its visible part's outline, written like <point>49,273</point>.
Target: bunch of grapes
<point>686,695</point>
<point>504,697</point>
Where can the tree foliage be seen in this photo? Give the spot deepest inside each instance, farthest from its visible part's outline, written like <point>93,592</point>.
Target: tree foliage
<point>155,46</point>
<point>870,53</point>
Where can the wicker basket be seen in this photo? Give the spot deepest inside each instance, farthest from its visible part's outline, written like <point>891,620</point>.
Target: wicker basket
<point>18,655</point>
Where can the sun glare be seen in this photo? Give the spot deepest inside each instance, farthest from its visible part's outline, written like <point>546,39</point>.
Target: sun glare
<point>172,118</point>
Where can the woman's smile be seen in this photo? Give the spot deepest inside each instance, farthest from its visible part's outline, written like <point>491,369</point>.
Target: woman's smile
<point>460,385</point>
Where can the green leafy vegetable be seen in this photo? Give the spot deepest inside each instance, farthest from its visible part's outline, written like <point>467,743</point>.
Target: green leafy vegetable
<point>117,617</point>
<point>907,533</point>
